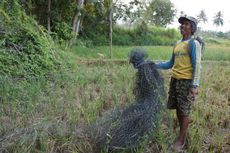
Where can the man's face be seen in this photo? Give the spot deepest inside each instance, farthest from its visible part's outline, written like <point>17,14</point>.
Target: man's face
<point>186,28</point>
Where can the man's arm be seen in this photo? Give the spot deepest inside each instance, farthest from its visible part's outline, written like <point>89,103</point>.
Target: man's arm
<point>166,65</point>
<point>196,62</point>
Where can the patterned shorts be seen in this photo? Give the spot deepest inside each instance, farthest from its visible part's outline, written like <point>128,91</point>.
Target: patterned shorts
<point>178,96</point>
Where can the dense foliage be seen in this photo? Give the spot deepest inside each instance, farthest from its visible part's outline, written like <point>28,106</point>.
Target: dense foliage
<point>160,12</point>
<point>25,47</point>
<point>94,16</point>
<point>137,36</point>
<point>62,12</point>
<point>145,35</point>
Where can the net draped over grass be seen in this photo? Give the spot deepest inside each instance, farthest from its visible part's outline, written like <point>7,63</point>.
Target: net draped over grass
<point>124,128</point>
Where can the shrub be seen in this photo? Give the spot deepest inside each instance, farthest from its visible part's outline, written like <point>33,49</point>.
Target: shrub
<point>122,36</point>
<point>25,47</point>
<point>63,31</point>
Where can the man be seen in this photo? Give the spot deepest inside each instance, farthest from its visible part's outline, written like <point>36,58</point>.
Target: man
<point>186,64</point>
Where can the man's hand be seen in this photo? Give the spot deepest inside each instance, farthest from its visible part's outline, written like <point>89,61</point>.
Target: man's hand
<point>192,93</point>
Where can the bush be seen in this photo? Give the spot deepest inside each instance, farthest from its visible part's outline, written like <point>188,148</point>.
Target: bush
<point>64,31</point>
<point>122,36</point>
<point>25,47</point>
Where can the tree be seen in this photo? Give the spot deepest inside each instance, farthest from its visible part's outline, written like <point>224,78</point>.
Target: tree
<point>182,13</point>
<point>218,19</point>
<point>160,12</point>
<point>48,16</point>
<point>111,26</point>
<point>202,17</point>
<point>128,13</point>
<point>56,15</point>
<point>77,17</point>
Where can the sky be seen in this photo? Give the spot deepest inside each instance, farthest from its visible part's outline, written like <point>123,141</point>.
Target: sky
<point>210,7</point>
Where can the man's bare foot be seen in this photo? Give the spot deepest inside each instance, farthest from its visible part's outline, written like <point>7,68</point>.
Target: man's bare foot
<point>178,145</point>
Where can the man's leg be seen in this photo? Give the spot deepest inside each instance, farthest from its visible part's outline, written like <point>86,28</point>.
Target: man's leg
<point>183,123</point>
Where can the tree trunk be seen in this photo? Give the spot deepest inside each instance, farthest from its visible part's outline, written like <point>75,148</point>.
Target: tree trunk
<point>111,29</point>
<point>77,17</point>
<point>48,16</point>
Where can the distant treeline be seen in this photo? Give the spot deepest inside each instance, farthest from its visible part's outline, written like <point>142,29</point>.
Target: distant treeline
<point>215,34</point>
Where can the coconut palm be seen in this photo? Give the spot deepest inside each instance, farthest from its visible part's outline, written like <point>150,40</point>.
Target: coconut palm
<point>182,13</point>
<point>202,17</point>
<point>218,19</point>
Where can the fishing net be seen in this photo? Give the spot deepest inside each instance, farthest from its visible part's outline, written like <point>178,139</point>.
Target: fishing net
<point>125,128</point>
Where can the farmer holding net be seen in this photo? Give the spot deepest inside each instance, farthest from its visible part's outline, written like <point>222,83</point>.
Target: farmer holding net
<point>185,63</point>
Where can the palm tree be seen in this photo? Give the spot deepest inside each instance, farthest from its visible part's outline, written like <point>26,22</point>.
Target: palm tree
<point>202,17</point>
<point>182,13</point>
<point>218,19</point>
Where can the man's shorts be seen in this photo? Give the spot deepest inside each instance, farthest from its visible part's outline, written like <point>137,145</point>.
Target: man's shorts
<point>178,96</point>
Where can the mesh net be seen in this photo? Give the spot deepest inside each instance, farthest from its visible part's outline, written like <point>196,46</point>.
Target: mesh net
<point>124,128</point>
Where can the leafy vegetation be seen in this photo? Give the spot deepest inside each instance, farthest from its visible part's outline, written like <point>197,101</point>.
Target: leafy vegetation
<point>59,16</point>
<point>160,12</point>
<point>144,35</point>
<point>25,48</point>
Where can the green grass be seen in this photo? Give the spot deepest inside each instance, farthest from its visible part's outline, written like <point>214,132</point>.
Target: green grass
<point>121,52</point>
<point>213,52</point>
<point>217,52</point>
<point>60,103</point>
<point>47,113</point>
